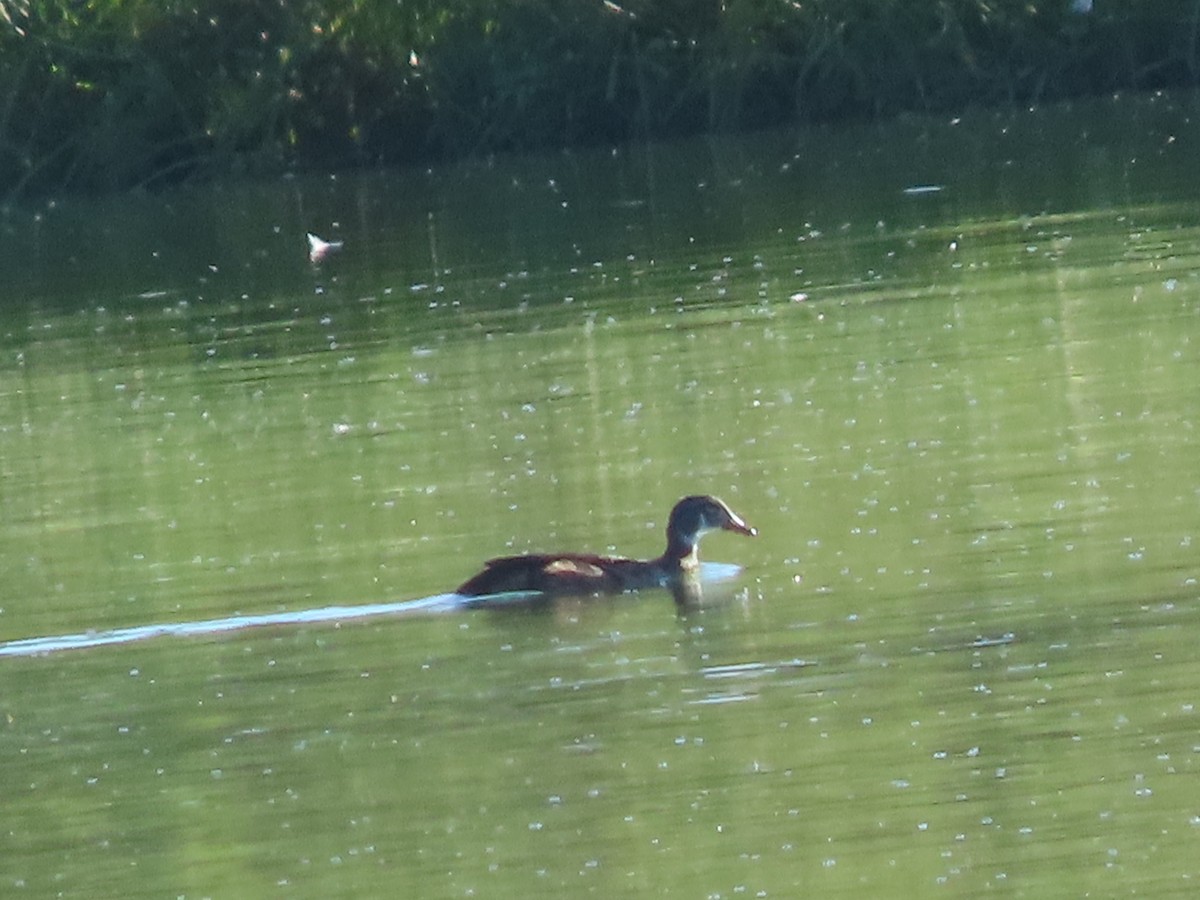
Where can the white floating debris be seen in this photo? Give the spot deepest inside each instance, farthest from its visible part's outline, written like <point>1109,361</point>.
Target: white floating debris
<point>319,248</point>
<point>917,189</point>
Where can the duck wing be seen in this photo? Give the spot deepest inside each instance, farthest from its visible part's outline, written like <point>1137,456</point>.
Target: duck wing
<point>551,573</point>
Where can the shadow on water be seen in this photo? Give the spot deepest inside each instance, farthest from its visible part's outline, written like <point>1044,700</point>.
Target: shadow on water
<point>711,573</point>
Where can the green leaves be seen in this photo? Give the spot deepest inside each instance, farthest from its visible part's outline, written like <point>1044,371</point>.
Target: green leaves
<point>111,94</point>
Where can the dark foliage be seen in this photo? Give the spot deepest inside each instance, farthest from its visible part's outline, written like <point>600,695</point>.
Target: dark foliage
<point>125,93</point>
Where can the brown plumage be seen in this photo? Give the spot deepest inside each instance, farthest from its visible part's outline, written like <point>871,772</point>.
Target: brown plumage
<point>581,573</point>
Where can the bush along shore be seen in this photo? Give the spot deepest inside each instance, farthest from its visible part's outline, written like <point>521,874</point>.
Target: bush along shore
<point>120,94</point>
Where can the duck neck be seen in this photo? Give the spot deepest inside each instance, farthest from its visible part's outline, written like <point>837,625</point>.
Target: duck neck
<point>681,553</point>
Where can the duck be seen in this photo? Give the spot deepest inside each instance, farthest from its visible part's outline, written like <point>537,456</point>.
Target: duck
<point>581,574</point>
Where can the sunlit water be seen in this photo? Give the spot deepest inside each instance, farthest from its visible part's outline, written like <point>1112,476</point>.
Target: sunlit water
<point>948,370</point>
<point>711,577</point>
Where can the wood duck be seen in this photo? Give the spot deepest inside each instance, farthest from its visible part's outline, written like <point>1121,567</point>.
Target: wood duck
<point>579,573</point>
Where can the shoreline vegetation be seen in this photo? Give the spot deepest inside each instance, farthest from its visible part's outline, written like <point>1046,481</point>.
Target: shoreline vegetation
<point>116,95</point>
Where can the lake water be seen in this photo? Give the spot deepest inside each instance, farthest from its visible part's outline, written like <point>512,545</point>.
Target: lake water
<point>948,369</point>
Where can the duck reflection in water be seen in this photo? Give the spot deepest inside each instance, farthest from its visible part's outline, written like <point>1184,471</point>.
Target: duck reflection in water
<point>541,576</point>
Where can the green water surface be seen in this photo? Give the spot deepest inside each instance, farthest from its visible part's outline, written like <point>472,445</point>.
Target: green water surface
<point>948,369</point>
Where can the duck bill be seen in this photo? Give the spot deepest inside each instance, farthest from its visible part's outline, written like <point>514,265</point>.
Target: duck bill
<point>735,524</point>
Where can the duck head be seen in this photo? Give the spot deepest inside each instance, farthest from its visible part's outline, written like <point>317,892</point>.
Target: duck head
<point>693,517</point>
